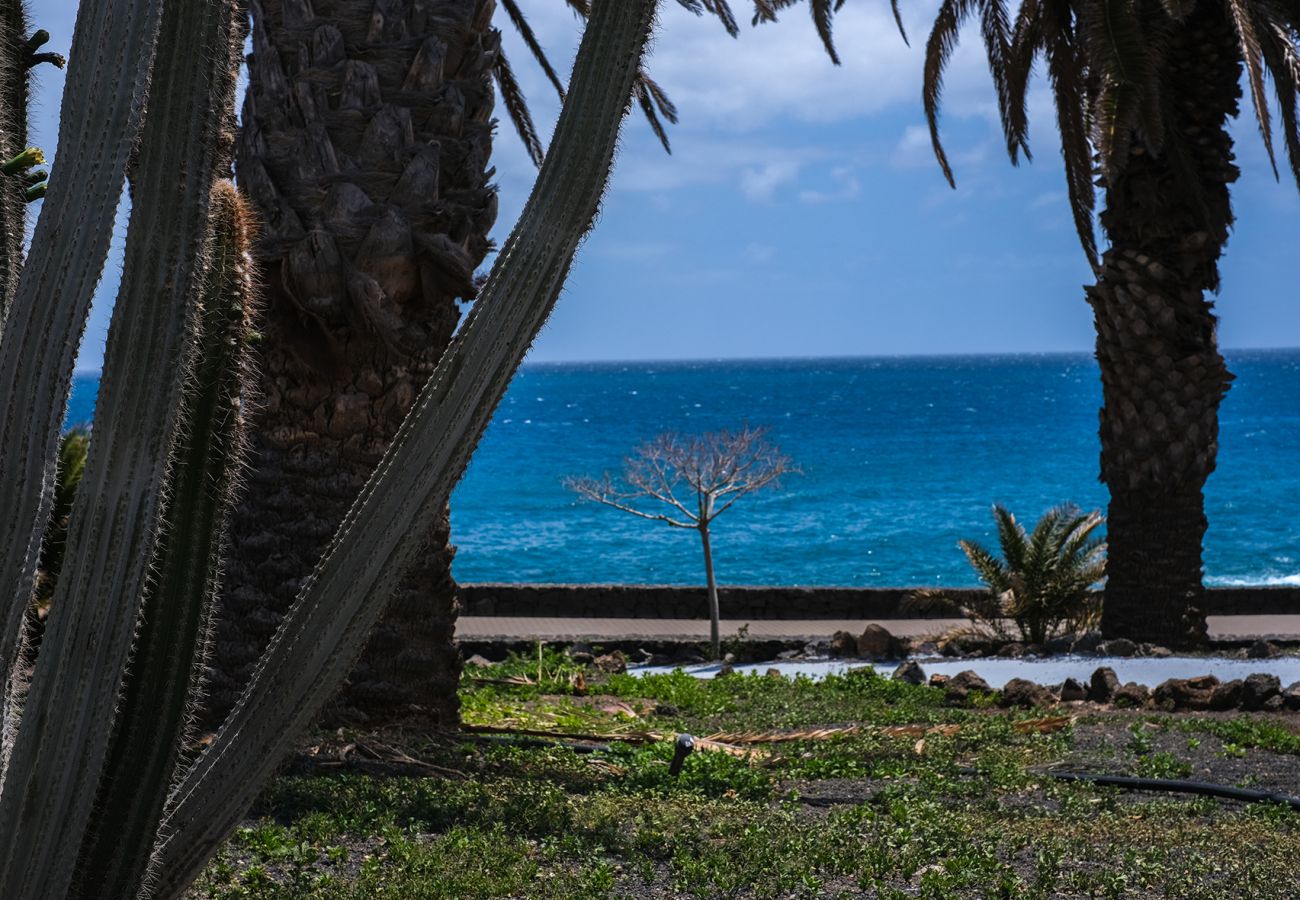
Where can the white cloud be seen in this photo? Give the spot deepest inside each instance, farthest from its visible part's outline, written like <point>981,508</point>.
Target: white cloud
<point>846,187</point>
<point>913,148</point>
<point>759,184</point>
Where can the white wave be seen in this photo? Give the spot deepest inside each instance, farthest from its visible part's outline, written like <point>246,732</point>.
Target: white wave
<point>1257,581</point>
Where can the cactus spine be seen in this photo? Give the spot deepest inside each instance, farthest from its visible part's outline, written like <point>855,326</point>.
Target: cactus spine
<point>59,803</point>
<point>103,106</point>
<point>159,690</point>
<point>67,721</point>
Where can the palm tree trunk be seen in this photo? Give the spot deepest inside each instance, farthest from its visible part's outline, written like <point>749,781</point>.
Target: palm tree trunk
<point>365,148</point>
<point>1162,374</point>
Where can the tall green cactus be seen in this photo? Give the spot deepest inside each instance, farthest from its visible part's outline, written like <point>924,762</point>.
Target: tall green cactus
<point>160,688</point>
<point>147,495</point>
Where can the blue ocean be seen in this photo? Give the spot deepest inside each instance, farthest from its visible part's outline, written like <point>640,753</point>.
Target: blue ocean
<point>899,458</point>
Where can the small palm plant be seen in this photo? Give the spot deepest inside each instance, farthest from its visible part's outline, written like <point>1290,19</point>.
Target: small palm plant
<point>73,447</point>
<point>1042,582</point>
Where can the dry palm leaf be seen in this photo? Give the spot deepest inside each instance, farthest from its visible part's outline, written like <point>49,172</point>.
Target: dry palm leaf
<point>712,746</point>
<point>627,737</point>
<point>780,737</point>
<point>1045,726</point>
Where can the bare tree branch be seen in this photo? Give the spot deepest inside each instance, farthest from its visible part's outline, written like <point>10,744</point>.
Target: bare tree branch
<point>720,467</point>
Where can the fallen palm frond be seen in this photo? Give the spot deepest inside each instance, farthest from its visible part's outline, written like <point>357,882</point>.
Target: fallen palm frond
<point>517,680</point>
<point>1045,726</point>
<point>713,746</point>
<point>781,737</point>
<point>627,737</point>
<point>822,734</point>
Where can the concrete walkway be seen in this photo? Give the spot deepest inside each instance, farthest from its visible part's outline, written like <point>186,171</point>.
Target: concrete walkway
<point>514,628</point>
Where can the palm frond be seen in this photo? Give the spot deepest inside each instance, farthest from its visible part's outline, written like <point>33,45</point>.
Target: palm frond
<point>1011,537</point>
<point>512,96</point>
<point>1243,22</point>
<point>534,46</point>
<point>1281,56</point>
<point>1178,9</point>
<point>988,567</point>
<point>717,8</point>
<point>1119,54</point>
<point>1065,69</point>
<point>898,20</point>
<point>1026,39</point>
<point>645,101</point>
<point>822,11</point>
<point>938,51</point>
<point>995,29</point>
<point>1043,582</point>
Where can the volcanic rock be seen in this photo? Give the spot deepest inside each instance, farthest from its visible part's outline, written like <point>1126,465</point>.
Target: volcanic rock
<point>1118,647</point>
<point>1021,692</point>
<point>1258,689</point>
<point>1263,649</point>
<point>959,687</point>
<point>1186,693</point>
<point>843,644</point>
<point>1132,696</point>
<point>1102,685</point>
<point>1088,642</point>
<point>1291,697</point>
<point>909,671</point>
<point>1072,690</point>
<point>1227,695</point>
<point>877,643</point>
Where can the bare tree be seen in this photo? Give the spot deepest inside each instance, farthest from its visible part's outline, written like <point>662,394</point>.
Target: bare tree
<point>716,468</point>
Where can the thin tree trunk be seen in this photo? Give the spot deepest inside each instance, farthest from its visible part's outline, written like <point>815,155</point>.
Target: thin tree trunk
<point>1162,374</point>
<point>715,637</point>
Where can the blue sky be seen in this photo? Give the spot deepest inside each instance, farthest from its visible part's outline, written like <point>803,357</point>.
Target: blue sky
<point>802,214</point>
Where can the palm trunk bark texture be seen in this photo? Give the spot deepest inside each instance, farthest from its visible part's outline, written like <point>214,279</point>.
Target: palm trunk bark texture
<point>1163,376</point>
<point>365,148</point>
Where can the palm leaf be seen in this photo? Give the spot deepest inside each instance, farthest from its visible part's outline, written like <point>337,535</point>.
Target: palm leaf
<point>1025,45</point>
<point>898,20</point>
<point>938,51</point>
<point>1251,53</point>
<point>1065,68</point>
<point>1011,537</point>
<point>534,46</point>
<point>1117,48</point>
<point>512,96</point>
<point>988,567</point>
<point>1278,44</point>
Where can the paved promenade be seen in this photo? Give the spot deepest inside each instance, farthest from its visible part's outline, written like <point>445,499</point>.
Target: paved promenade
<point>513,628</point>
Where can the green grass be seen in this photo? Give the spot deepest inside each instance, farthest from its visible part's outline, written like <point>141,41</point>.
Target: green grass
<point>865,814</point>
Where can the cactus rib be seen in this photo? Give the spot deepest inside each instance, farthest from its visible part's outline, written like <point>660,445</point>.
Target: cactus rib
<point>68,715</point>
<point>169,648</point>
<point>103,104</point>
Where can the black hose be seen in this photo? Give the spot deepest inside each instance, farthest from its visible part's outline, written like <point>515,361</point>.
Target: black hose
<point>1178,786</point>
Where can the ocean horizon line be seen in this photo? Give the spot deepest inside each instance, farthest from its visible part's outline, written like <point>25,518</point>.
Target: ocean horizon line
<point>833,357</point>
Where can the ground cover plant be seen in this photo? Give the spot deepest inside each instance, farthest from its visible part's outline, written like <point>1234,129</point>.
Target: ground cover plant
<point>922,799</point>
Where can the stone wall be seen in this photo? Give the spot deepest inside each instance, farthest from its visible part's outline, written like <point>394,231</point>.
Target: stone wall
<point>652,601</point>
